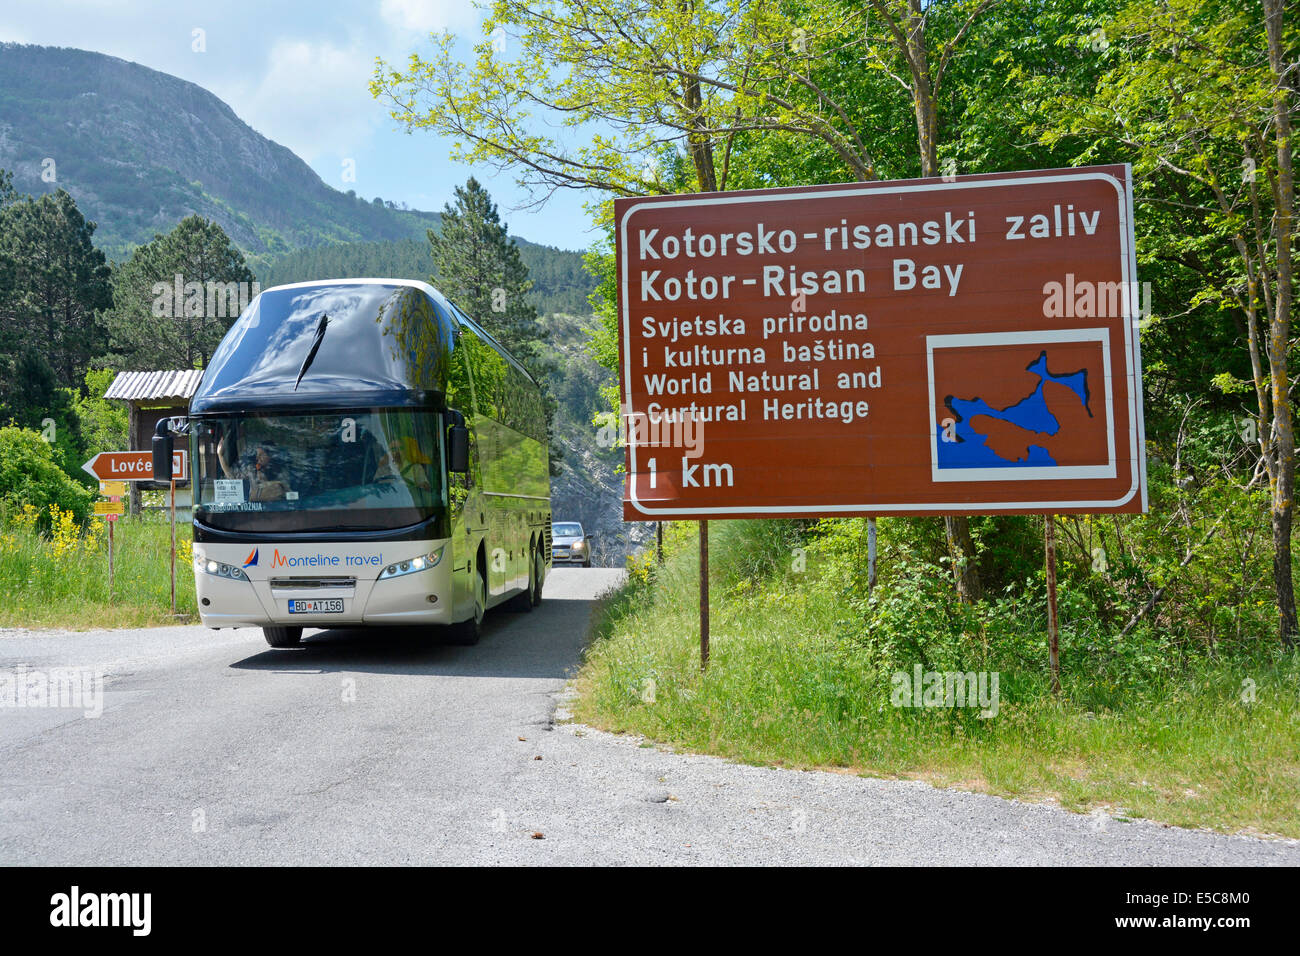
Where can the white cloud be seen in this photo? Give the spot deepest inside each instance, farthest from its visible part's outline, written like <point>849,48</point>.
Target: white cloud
<point>313,98</point>
<point>427,16</point>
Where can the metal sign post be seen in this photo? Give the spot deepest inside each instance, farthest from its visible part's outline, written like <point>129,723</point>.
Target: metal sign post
<point>871,555</point>
<point>173,546</point>
<point>110,510</point>
<point>704,595</point>
<point>1049,544</point>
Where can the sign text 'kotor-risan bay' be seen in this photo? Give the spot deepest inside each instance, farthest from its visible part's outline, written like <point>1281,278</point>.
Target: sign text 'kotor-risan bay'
<point>918,347</point>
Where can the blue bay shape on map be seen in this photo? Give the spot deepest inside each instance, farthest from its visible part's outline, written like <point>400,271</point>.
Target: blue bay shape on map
<point>1030,413</point>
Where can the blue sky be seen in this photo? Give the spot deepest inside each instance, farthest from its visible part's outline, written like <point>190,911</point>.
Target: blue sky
<point>297,72</point>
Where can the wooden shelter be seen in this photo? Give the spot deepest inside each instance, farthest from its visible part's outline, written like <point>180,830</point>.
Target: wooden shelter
<point>151,396</point>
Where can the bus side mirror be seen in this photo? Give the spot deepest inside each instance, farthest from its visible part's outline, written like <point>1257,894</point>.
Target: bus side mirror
<point>458,449</point>
<point>162,452</point>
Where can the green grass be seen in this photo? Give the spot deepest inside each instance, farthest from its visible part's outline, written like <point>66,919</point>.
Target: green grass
<point>43,586</point>
<point>786,688</point>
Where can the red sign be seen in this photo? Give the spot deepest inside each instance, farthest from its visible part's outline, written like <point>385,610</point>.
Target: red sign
<point>133,465</point>
<point>917,347</point>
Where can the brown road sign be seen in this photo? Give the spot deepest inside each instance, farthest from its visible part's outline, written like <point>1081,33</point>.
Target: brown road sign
<point>918,347</point>
<point>133,465</point>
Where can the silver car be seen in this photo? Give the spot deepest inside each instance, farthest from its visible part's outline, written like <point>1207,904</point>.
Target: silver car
<point>569,544</point>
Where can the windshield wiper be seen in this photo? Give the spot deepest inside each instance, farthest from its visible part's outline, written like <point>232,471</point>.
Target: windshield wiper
<point>315,347</point>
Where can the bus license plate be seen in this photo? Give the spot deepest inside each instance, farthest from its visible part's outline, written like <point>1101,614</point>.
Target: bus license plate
<point>318,606</point>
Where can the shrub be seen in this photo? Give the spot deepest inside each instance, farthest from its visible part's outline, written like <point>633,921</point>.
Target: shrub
<point>30,476</point>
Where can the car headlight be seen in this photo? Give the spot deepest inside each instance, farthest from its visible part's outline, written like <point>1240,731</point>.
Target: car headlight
<point>421,563</point>
<point>217,569</point>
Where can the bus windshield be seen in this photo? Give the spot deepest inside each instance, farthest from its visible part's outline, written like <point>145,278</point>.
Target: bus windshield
<point>358,470</point>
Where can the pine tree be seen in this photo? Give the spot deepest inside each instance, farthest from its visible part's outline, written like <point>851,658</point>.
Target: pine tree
<point>153,328</point>
<point>477,265</point>
<point>479,268</point>
<point>54,281</point>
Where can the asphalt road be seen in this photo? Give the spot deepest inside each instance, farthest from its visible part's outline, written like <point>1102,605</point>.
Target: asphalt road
<point>389,748</point>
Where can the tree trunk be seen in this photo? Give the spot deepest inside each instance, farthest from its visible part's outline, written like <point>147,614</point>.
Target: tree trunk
<point>700,144</point>
<point>961,551</point>
<point>961,547</point>
<point>927,122</point>
<point>1280,333</point>
<point>1282,575</point>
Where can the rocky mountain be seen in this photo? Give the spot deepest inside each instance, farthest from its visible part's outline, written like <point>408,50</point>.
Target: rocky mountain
<point>139,150</point>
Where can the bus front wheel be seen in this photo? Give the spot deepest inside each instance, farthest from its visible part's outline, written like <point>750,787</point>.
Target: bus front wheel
<point>282,636</point>
<point>467,633</point>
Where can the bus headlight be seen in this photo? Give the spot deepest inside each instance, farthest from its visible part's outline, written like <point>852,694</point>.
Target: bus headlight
<point>217,569</point>
<point>421,563</point>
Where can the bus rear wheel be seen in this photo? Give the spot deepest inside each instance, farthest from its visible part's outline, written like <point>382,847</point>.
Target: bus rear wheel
<point>529,599</point>
<point>282,636</point>
<point>538,579</point>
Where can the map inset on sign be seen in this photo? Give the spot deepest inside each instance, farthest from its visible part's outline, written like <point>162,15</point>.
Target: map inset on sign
<point>1010,407</point>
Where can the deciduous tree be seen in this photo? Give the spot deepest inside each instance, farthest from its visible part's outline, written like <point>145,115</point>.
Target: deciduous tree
<point>1202,94</point>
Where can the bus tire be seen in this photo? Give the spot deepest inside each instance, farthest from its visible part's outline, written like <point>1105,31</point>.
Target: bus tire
<point>537,580</point>
<point>282,636</point>
<point>527,600</point>
<point>467,633</point>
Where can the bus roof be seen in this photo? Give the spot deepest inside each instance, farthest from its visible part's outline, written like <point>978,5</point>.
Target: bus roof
<point>332,343</point>
<point>428,290</point>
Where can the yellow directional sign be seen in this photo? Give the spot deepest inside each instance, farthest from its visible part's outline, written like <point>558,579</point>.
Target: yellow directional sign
<point>108,507</point>
<point>111,488</point>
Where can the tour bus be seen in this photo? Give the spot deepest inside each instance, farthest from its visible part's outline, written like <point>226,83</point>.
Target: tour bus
<point>365,454</point>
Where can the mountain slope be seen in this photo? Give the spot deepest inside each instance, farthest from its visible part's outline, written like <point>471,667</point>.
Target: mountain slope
<point>139,150</point>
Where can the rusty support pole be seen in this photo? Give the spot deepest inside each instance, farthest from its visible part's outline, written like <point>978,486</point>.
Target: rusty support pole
<point>173,547</point>
<point>871,554</point>
<point>1054,658</point>
<point>704,595</point>
<point>659,542</point>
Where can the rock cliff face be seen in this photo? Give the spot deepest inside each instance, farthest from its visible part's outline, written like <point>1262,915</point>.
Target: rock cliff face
<point>589,491</point>
<point>589,488</point>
